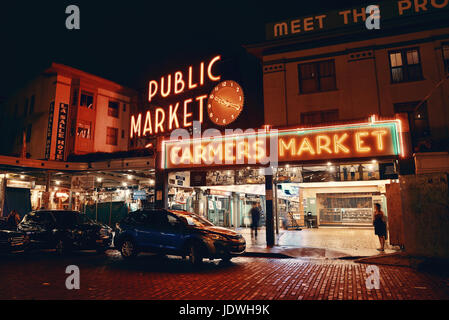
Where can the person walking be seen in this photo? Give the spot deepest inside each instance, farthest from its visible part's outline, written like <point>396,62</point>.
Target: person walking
<point>380,226</point>
<point>13,220</point>
<point>255,217</point>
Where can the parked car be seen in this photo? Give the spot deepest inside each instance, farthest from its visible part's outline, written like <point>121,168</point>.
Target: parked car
<point>64,231</point>
<point>12,241</point>
<point>176,232</point>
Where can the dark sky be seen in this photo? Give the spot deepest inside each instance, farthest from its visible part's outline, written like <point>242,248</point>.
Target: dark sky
<point>132,41</point>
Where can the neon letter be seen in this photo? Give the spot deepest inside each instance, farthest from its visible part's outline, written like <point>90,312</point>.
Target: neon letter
<point>173,116</point>
<point>163,93</point>
<point>209,69</point>
<point>290,146</point>
<point>306,146</point>
<point>178,80</point>
<point>379,134</point>
<point>201,106</point>
<point>186,114</point>
<point>135,126</point>
<point>152,89</point>
<point>338,143</point>
<point>359,142</point>
<point>148,127</point>
<point>159,127</point>
<point>325,146</point>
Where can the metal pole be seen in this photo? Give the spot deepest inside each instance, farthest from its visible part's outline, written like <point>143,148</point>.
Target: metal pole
<point>275,204</point>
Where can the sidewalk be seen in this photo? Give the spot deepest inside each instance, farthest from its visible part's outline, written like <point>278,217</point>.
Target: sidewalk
<point>321,243</point>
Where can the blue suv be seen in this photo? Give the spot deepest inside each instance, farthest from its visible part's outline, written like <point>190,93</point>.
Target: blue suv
<point>176,232</point>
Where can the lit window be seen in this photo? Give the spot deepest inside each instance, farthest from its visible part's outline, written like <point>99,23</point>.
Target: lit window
<point>83,130</point>
<point>405,65</point>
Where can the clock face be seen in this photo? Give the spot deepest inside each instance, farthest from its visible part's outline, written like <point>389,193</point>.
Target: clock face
<point>225,103</point>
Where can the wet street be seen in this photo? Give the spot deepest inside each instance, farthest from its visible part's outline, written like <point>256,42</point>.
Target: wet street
<point>42,276</point>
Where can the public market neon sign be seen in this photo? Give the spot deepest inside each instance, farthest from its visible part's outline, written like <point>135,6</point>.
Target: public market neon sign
<point>373,139</point>
<point>179,114</point>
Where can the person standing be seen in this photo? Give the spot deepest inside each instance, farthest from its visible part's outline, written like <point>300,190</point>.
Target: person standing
<point>380,226</point>
<point>255,217</point>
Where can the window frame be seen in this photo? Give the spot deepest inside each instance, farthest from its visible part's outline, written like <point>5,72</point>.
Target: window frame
<point>108,142</point>
<point>86,92</point>
<point>116,113</point>
<point>316,65</point>
<point>405,66</point>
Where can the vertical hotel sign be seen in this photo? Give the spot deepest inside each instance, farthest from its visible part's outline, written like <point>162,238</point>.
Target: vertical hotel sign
<point>61,132</point>
<point>49,130</point>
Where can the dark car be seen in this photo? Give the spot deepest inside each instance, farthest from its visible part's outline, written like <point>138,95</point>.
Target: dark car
<point>12,241</point>
<point>64,231</point>
<point>176,232</point>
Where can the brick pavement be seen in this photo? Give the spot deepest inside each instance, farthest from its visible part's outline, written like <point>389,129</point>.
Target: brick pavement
<point>42,277</point>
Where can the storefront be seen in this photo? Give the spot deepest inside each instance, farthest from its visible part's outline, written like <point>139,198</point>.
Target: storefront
<point>335,174</point>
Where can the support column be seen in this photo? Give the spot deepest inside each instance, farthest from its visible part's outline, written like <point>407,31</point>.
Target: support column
<point>161,189</point>
<point>269,207</point>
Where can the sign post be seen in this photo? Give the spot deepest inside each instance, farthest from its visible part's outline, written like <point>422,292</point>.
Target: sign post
<point>269,219</point>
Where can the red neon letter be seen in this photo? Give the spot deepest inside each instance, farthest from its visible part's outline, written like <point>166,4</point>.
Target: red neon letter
<point>159,122</point>
<point>135,126</point>
<point>173,116</point>
<point>209,69</point>
<point>192,85</point>
<point>178,80</point>
<point>152,89</point>
<point>163,92</point>
<point>187,114</point>
<point>147,127</point>
<point>201,106</point>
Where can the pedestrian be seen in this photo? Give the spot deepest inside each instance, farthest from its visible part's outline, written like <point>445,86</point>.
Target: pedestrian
<point>13,220</point>
<point>255,217</point>
<point>380,226</point>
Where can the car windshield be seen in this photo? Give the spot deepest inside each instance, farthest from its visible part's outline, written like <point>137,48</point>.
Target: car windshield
<point>195,220</point>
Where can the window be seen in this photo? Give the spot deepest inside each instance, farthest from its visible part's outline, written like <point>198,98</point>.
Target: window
<point>32,104</point>
<point>317,117</point>
<point>124,107</point>
<point>83,129</point>
<point>87,100</point>
<point>123,134</point>
<point>28,133</point>
<point>113,108</point>
<point>111,137</point>
<point>418,122</point>
<point>317,76</point>
<point>445,48</point>
<point>405,65</point>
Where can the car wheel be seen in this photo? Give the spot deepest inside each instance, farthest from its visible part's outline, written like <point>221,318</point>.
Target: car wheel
<point>195,255</point>
<point>128,249</point>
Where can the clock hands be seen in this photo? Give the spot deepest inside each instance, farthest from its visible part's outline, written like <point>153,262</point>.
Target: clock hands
<point>227,103</point>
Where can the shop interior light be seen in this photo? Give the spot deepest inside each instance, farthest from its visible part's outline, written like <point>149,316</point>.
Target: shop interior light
<point>129,177</point>
<point>58,182</point>
<point>329,163</point>
<point>99,179</point>
<point>152,182</point>
<point>374,161</point>
<point>22,176</point>
<point>124,184</point>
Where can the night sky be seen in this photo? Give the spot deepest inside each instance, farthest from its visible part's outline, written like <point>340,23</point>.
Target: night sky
<point>131,42</point>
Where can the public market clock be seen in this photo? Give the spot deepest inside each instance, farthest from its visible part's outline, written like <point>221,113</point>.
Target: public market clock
<point>225,103</point>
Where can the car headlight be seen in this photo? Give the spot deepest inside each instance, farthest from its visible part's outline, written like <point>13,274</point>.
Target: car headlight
<point>217,237</point>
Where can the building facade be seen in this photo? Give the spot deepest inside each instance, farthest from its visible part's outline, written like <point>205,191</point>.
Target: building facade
<point>65,111</point>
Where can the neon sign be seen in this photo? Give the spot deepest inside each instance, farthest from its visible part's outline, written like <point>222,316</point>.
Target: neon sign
<point>364,140</point>
<point>180,114</point>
